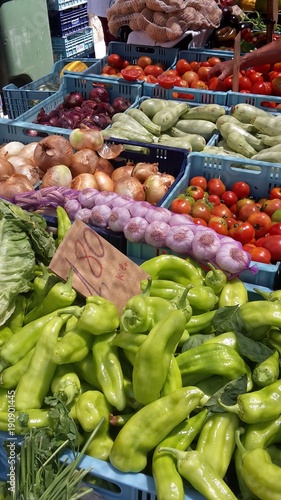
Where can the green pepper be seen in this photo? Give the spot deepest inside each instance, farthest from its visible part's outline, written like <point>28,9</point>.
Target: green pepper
<point>64,224</point>
<point>61,295</point>
<point>168,481</point>
<point>258,406</point>
<point>36,381</point>
<point>166,289</point>
<point>16,320</point>
<point>258,316</point>
<point>42,284</point>
<point>215,278</point>
<point>173,380</point>
<point>202,298</point>
<point>4,398</point>
<point>98,316</point>
<point>86,371</point>
<point>73,346</point>
<point>36,418</point>
<point>108,370</point>
<point>11,376</point>
<point>90,408</point>
<point>261,476</point>
<point>275,454</point>
<point>5,334</point>
<point>65,383</point>
<point>267,372</point>
<point>25,339</point>
<point>201,322</point>
<point>234,293</point>
<point>274,296</point>
<point>153,357</point>
<point>218,433</point>
<point>149,425</point>
<point>227,338</point>
<point>205,360</point>
<point>119,420</point>
<point>129,393</point>
<point>196,469</point>
<point>129,341</point>
<point>172,267</point>
<point>274,339</point>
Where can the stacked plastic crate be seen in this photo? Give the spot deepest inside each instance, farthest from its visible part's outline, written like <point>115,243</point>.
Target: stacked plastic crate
<point>70,31</point>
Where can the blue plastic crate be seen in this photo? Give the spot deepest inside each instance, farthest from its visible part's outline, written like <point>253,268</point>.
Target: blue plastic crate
<point>201,54</point>
<point>131,53</point>
<point>261,176</point>
<point>260,101</point>
<point>18,100</point>
<point>66,22</point>
<point>83,84</point>
<point>64,4</point>
<point>196,96</point>
<point>75,44</point>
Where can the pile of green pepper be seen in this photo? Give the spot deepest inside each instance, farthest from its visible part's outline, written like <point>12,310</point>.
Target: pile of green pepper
<point>186,379</point>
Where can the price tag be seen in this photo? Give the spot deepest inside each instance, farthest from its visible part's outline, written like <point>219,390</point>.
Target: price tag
<point>98,267</point>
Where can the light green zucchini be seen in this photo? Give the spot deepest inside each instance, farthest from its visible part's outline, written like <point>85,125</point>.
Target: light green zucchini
<point>143,120</point>
<point>209,112</point>
<point>204,128</point>
<point>247,113</point>
<point>228,128</point>
<point>168,116</point>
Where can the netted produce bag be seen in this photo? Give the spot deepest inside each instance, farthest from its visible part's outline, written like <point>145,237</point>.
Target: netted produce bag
<point>163,20</point>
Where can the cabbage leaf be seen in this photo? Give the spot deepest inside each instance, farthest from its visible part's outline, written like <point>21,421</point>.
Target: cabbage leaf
<point>17,266</point>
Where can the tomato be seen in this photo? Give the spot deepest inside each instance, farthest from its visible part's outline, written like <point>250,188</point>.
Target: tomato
<point>203,72</point>
<point>106,69</point>
<point>148,78</point>
<point>269,206</point>
<point>131,74</point>
<point>195,65</point>
<point>221,211</point>
<point>115,61</point>
<point>228,81</point>
<point>244,83</point>
<point>275,229</point>
<point>200,209</point>
<point>261,223</point>
<point>219,225</point>
<point>216,186</point>
<point>230,221</point>
<point>273,245</point>
<point>241,189</point>
<point>153,70</point>
<point>180,206</point>
<point>199,221</point>
<point>275,193</point>
<point>262,68</point>
<point>229,198</point>
<point>125,63</point>
<point>214,199</point>
<point>199,84</point>
<point>214,60</point>
<point>260,88</point>
<point>243,232</point>
<point>273,74</point>
<point>247,210</point>
<point>260,254</point>
<point>216,84</point>
<point>277,66</point>
<point>199,180</point>
<point>182,83</point>
<point>182,66</point>
<point>276,86</point>
<point>195,191</point>
<point>248,247</point>
<point>190,76</point>
<point>167,81</point>
<point>144,61</point>
<point>243,201</point>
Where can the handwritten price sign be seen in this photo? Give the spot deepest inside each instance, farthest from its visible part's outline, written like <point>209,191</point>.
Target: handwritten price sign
<point>98,267</point>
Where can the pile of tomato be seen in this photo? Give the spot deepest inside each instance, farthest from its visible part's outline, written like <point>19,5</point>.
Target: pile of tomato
<point>145,68</point>
<point>233,212</point>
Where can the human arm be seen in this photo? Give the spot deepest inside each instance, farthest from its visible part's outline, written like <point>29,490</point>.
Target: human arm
<point>270,53</point>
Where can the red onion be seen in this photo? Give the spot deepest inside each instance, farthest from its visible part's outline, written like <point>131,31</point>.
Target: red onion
<point>120,104</point>
<point>100,215</point>
<point>156,234</point>
<point>119,217</point>
<point>53,150</point>
<point>134,230</point>
<point>73,99</point>
<point>179,239</point>
<point>99,94</point>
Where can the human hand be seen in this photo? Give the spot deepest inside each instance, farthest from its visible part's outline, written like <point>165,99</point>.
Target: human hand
<point>221,70</point>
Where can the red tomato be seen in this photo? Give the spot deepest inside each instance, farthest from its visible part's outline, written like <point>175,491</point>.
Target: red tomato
<point>115,61</point>
<point>205,64</point>
<point>262,68</point>
<point>247,210</point>
<point>125,63</point>
<point>203,72</point>
<point>229,198</point>
<point>199,180</point>
<point>167,81</point>
<point>195,65</point>
<point>199,221</point>
<point>148,78</point>
<point>182,83</point>
<point>269,206</point>
<point>276,86</point>
<point>275,229</point>
<point>273,245</point>
<point>216,186</point>
<point>182,66</point>
<point>243,201</point>
<point>200,209</point>
<point>277,66</point>
<point>153,70</point>
<point>219,225</point>
<point>180,206</point>
<point>131,74</point>
<point>273,74</point>
<point>261,223</point>
<point>144,61</point>
<point>241,189</point>
<point>216,84</point>
<point>214,199</point>
<point>228,81</point>
<point>260,254</point>
<point>275,193</point>
<point>199,84</point>
<point>259,241</point>
<point>214,60</point>
<point>244,83</point>
<point>221,211</point>
<point>190,76</point>
<point>195,191</point>
<point>260,88</point>
<point>230,222</point>
<point>243,232</point>
<point>248,247</point>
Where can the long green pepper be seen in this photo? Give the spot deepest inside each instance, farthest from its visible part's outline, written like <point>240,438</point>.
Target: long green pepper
<point>172,267</point>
